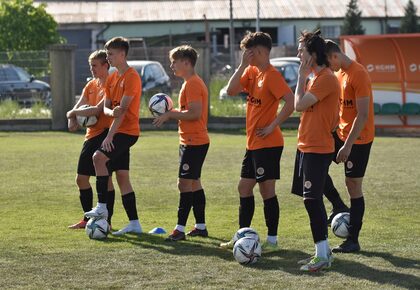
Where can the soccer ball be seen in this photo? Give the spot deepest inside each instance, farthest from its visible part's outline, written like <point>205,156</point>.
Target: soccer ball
<point>245,232</point>
<point>340,225</point>
<point>160,104</point>
<point>247,250</point>
<point>97,228</point>
<point>84,121</point>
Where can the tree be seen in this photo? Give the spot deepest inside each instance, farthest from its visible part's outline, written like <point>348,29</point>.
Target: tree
<point>353,20</point>
<point>26,27</point>
<point>409,22</point>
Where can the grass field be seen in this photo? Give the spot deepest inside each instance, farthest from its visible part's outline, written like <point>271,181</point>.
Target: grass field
<point>38,200</point>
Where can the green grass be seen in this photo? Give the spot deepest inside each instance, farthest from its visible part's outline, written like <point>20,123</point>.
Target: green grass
<point>12,110</point>
<point>39,199</point>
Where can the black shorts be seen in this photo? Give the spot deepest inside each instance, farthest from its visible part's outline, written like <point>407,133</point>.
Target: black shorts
<point>311,170</point>
<point>356,164</point>
<point>262,164</point>
<point>191,159</point>
<point>119,157</point>
<point>85,165</point>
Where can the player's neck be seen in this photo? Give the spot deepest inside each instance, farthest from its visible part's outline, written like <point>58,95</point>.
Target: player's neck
<point>188,74</point>
<point>122,68</point>
<point>102,79</point>
<point>263,66</point>
<point>317,68</point>
<point>346,62</point>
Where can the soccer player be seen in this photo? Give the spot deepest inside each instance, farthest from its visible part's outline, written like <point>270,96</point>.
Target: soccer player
<point>93,94</point>
<point>194,141</point>
<point>261,164</point>
<point>319,106</point>
<point>122,102</point>
<point>353,137</point>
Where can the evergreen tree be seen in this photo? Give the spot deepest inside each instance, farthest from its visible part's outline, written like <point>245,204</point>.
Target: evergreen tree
<point>353,20</point>
<point>409,22</point>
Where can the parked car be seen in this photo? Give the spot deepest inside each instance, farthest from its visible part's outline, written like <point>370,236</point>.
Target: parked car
<point>18,85</point>
<point>287,66</point>
<point>153,76</point>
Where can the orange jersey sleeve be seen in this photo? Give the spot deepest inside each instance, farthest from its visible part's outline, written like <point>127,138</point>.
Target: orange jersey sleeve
<point>194,132</point>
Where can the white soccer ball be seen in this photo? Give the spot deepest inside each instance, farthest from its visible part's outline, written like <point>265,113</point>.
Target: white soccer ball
<point>247,251</point>
<point>84,121</point>
<point>160,104</point>
<point>245,232</point>
<point>97,228</point>
<point>340,225</point>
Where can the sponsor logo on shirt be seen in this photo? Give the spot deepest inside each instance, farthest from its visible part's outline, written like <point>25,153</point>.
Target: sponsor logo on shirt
<point>254,101</point>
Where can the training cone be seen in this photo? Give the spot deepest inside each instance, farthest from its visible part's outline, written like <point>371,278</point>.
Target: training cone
<point>157,231</point>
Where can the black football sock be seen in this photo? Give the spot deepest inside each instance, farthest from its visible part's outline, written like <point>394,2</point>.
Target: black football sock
<point>357,210</point>
<point>86,199</point>
<point>129,203</point>
<point>199,206</point>
<point>110,204</point>
<point>246,211</point>
<point>185,204</point>
<point>332,194</point>
<point>318,219</point>
<point>272,215</point>
<point>102,188</point>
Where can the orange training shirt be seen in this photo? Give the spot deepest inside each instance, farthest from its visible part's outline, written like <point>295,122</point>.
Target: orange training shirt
<point>355,83</point>
<point>128,84</point>
<point>193,132</point>
<point>319,120</point>
<point>265,89</point>
<point>94,93</point>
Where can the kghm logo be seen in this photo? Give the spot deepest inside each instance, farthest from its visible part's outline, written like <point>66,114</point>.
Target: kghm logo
<point>381,68</point>
<point>253,101</point>
<point>414,67</point>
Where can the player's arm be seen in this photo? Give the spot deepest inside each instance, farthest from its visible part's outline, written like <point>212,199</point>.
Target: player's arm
<point>118,113</point>
<point>89,111</point>
<point>71,115</point>
<point>304,100</point>
<point>193,113</point>
<point>362,105</point>
<point>234,86</point>
<point>285,112</point>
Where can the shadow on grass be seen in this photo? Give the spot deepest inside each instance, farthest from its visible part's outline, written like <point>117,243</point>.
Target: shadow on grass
<point>385,277</point>
<point>394,260</point>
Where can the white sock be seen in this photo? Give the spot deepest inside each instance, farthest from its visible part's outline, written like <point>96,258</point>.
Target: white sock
<point>180,228</point>
<point>135,223</point>
<point>272,239</point>
<point>200,226</point>
<point>322,249</point>
<point>101,205</point>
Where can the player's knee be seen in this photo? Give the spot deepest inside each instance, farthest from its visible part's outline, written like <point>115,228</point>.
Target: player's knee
<point>122,176</point>
<point>354,187</point>
<point>184,185</point>
<point>82,181</point>
<point>99,158</point>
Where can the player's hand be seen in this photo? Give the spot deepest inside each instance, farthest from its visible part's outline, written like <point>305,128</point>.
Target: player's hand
<point>305,67</point>
<point>72,124</point>
<point>117,112</point>
<point>264,132</point>
<point>343,154</point>
<point>247,55</point>
<point>107,144</point>
<point>159,121</point>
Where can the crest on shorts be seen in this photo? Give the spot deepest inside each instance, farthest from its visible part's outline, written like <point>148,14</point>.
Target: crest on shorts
<point>260,171</point>
<point>308,184</point>
<point>185,166</point>
<point>349,164</point>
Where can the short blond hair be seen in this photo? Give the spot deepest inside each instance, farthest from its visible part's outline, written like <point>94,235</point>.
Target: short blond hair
<point>184,52</point>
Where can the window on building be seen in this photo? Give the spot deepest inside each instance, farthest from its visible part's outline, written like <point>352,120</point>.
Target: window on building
<point>331,31</point>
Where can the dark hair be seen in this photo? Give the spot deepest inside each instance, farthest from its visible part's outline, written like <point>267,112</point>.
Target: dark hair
<point>252,39</point>
<point>184,52</point>
<point>118,43</point>
<point>99,55</point>
<point>331,47</point>
<point>314,43</point>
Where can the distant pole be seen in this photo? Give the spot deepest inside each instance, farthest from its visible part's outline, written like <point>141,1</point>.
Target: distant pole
<point>231,37</point>
<point>386,18</point>
<point>257,25</point>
